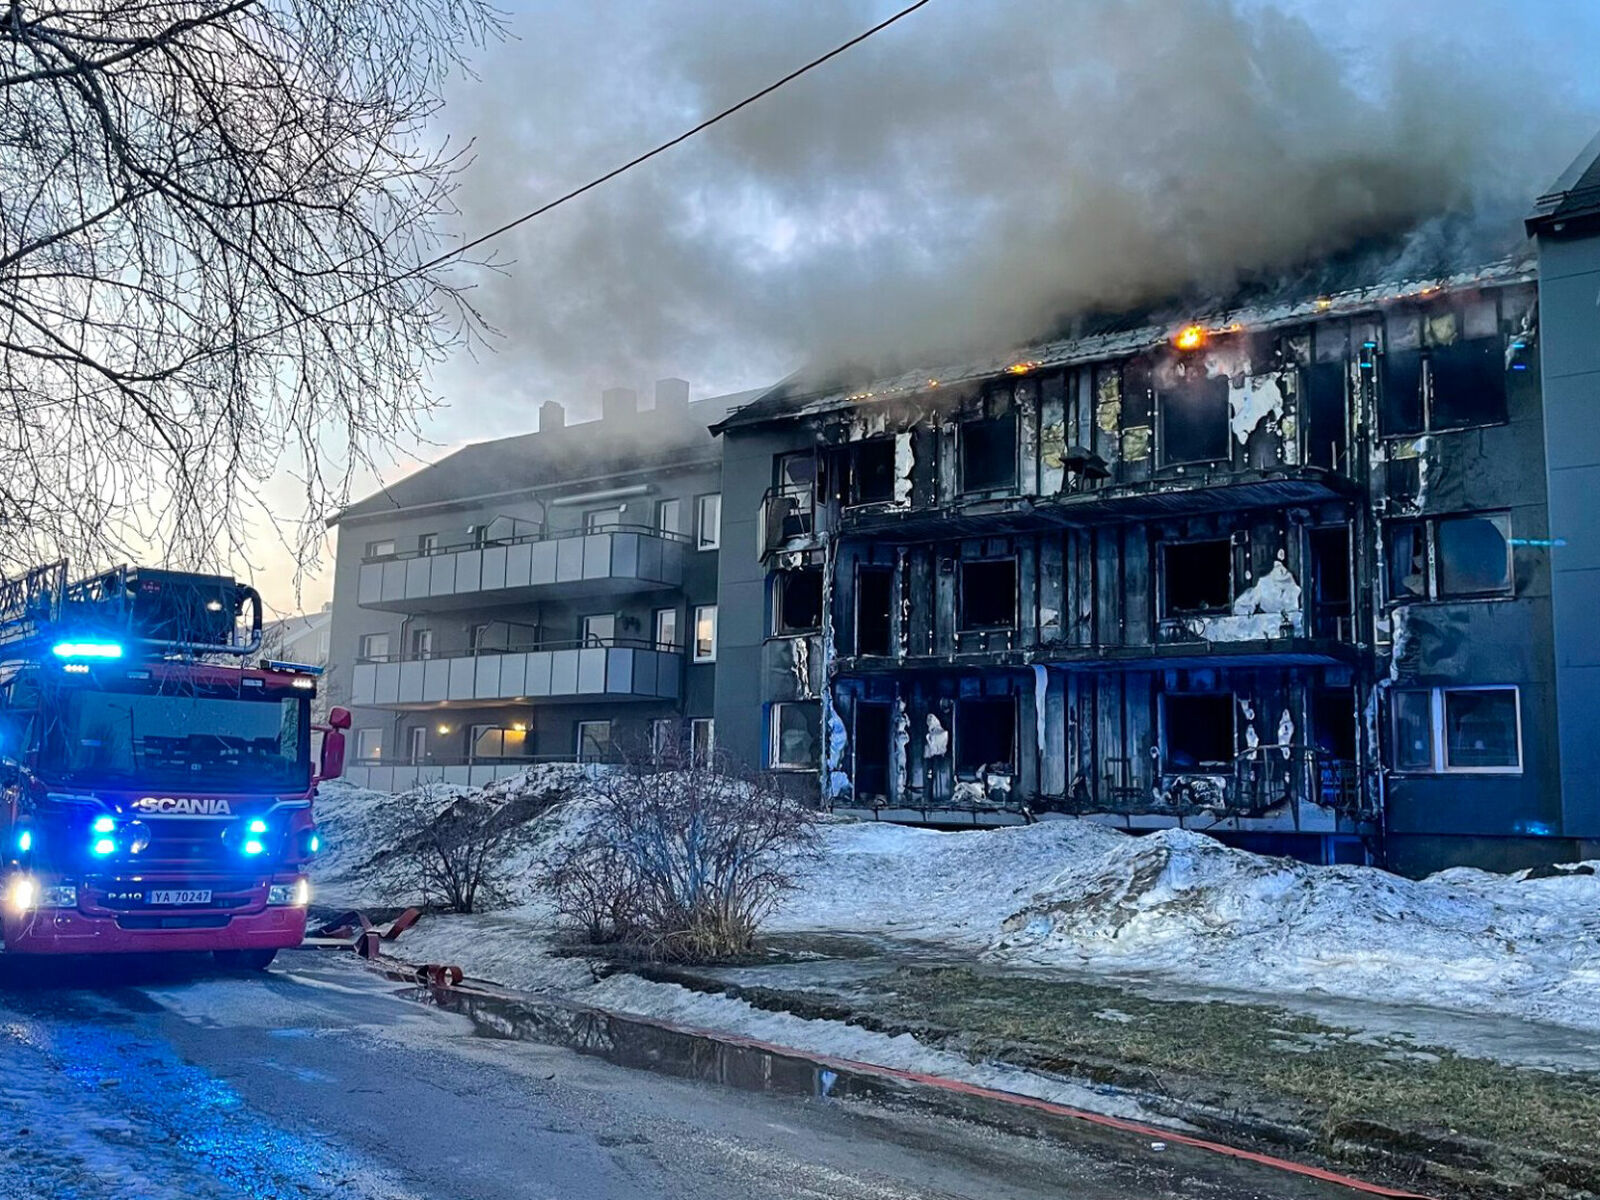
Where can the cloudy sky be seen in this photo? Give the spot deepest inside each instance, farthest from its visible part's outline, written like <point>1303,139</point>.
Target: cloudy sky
<point>960,180</point>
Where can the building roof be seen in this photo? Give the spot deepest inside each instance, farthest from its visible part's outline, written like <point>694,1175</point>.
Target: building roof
<point>1574,197</point>
<point>808,393</point>
<point>562,455</point>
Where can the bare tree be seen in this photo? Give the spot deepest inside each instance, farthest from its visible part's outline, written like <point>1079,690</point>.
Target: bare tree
<point>215,220</point>
<point>458,851</point>
<point>684,858</point>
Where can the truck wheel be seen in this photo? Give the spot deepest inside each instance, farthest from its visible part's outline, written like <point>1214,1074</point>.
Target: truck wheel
<point>244,960</point>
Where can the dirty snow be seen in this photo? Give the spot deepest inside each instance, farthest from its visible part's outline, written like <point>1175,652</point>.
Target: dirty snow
<point>1175,904</point>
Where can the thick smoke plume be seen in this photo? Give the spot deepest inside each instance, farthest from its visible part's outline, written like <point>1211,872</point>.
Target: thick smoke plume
<point>979,171</point>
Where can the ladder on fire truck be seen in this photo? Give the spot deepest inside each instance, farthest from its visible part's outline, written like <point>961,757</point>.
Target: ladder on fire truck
<point>175,613</point>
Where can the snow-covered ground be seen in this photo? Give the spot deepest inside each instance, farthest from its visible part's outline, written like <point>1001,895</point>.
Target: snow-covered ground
<point>1077,895</point>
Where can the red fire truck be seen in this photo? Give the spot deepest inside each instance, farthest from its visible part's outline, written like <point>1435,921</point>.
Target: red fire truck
<point>155,791</point>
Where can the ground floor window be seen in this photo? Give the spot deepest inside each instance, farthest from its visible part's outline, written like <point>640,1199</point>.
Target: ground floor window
<point>702,741</point>
<point>986,735</point>
<point>498,741</point>
<point>419,744</point>
<point>795,735</point>
<point>594,741</point>
<point>1464,729</point>
<point>663,739</point>
<point>1197,731</point>
<point>871,748</point>
<point>369,744</point>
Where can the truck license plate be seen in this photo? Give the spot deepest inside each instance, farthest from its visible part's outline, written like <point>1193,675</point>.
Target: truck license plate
<point>181,896</point>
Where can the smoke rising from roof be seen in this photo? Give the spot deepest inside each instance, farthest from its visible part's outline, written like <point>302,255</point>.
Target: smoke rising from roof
<point>977,172</point>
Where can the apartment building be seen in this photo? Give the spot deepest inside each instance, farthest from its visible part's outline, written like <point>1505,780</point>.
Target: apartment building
<point>547,596</point>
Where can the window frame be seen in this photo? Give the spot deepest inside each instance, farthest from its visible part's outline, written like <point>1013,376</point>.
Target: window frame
<point>427,543</point>
<point>1164,610</point>
<point>667,646</point>
<point>962,624</point>
<point>589,640</point>
<point>1439,734</point>
<point>694,634</point>
<point>422,644</point>
<point>364,651</point>
<point>993,489</point>
<point>702,756</point>
<point>612,511</point>
<point>674,506</point>
<point>775,740</point>
<point>701,541</point>
<point>417,744</point>
<point>852,497</point>
<point>373,550</point>
<point>780,626</point>
<point>578,738</point>
<point>1426,352</point>
<point>1432,592</point>
<point>1163,459</point>
<point>969,774</point>
<point>360,739</point>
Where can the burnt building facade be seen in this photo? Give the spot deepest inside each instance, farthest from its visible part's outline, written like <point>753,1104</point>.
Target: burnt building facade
<point>1282,575</point>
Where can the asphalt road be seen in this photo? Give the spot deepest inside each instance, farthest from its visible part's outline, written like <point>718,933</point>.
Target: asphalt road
<point>321,1079</point>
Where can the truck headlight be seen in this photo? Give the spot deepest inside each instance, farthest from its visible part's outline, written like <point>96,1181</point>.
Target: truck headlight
<point>297,894</point>
<point>24,895</point>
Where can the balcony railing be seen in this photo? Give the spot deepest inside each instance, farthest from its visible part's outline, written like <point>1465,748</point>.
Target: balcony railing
<point>615,558</point>
<point>788,518</point>
<point>1257,780</point>
<point>594,668</point>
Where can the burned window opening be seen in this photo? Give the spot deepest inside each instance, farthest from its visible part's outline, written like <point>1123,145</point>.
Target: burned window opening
<point>1331,597</point>
<point>869,472</point>
<point>871,747</point>
<point>1197,732</point>
<point>1400,394</point>
<point>795,735</point>
<point>1325,415</point>
<point>1196,577</point>
<point>989,446</point>
<point>1451,558</point>
<point>874,600</point>
<point>1194,420</point>
<point>985,735</point>
<point>988,594</point>
<point>1456,386</point>
<point>797,601</point>
<point>1333,723</point>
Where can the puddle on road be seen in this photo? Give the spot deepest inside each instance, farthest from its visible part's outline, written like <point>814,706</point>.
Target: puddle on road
<point>642,1045</point>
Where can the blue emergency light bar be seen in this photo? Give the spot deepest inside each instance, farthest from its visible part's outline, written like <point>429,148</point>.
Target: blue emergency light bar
<point>273,664</point>
<point>87,650</point>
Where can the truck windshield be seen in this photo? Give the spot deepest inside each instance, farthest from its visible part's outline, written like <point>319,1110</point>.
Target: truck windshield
<point>177,740</point>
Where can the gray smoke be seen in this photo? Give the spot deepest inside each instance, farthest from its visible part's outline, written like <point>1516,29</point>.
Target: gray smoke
<point>971,176</point>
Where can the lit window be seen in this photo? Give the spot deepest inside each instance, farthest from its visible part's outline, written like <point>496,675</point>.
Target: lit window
<point>705,633</point>
<point>1457,730</point>
<point>795,736</point>
<point>369,745</point>
<point>710,522</point>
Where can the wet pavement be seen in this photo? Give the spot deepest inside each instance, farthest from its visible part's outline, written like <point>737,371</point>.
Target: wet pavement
<point>321,1078</point>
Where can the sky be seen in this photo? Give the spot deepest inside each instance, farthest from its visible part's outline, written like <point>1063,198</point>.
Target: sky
<point>961,180</point>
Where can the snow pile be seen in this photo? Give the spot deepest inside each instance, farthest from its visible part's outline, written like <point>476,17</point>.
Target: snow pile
<point>1183,904</point>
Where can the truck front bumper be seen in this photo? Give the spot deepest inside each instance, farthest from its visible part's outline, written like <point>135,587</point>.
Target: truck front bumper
<point>68,931</point>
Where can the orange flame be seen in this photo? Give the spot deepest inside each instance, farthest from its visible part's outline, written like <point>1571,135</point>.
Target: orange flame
<point>1190,337</point>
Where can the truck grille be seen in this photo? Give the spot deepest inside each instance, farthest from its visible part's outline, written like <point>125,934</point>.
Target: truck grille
<point>128,921</point>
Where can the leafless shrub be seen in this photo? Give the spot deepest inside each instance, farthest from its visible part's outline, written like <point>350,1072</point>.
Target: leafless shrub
<point>459,851</point>
<point>682,858</point>
<point>215,225</point>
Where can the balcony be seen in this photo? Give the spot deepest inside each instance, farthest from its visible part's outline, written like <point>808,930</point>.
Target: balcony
<point>614,560</point>
<point>788,519</point>
<point>395,775</point>
<point>601,669</point>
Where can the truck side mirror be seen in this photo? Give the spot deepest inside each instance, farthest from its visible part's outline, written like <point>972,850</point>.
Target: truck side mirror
<point>332,762</point>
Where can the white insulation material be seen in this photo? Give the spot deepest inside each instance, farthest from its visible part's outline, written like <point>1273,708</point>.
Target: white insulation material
<point>1250,399</point>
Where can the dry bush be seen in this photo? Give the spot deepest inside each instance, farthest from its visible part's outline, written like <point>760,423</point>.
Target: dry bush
<point>682,859</point>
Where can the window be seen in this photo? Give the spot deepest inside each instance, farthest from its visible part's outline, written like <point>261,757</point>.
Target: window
<point>669,516</point>
<point>594,741</point>
<point>1325,408</point>
<point>1450,557</point>
<point>1457,730</point>
<point>369,745</point>
<point>989,446</point>
<point>600,629</point>
<point>1193,418</point>
<point>1197,731</point>
<point>1196,577</point>
<point>421,643</point>
<point>479,534</point>
<point>375,647</point>
<point>667,629</point>
<point>795,735</point>
<point>597,519</point>
<point>322,646</point>
<point>709,522</point>
<point>496,741</point>
<point>870,745</point>
<point>1456,385</point>
<point>869,472</point>
<point>663,739</point>
<point>797,601</point>
<point>985,735</point>
<point>705,633</point>
<point>702,741</point>
<point>427,543</point>
<point>795,472</point>
<point>874,602</point>
<point>478,638</point>
<point>380,549</point>
<point>419,744</point>
<point>989,594</point>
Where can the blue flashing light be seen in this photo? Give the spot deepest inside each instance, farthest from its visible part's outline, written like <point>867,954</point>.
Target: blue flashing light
<point>258,826</point>
<point>25,841</point>
<point>254,847</point>
<point>103,825</point>
<point>87,650</point>
<point>315,844</point>
<point>103,847</point>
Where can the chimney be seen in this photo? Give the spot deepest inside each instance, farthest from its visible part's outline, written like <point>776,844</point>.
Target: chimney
<point>551,416</point>
<point>672,395</point>
<point>618,404</point>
